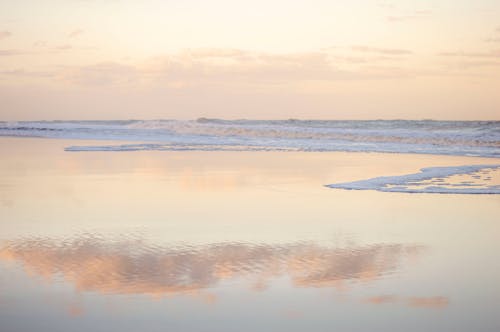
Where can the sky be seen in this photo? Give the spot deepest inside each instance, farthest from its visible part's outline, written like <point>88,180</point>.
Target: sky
<point>274,59</point>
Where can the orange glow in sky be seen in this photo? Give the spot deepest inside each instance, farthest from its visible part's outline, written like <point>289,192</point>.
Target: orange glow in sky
<point>318,59</point>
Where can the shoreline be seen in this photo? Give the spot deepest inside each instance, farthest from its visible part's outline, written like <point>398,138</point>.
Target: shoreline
<point>99,142</point>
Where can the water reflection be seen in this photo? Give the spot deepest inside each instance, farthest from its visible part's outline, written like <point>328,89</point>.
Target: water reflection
<point>134,266</point>
<point>419,302</point>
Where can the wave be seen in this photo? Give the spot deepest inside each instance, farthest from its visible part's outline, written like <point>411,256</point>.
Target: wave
<point>470,138</point>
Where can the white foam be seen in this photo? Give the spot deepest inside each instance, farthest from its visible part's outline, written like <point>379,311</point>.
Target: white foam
<point>174,147</point>
<point>424,182</point>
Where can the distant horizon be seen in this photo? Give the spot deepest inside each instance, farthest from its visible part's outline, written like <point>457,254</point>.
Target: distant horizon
<point>249,119</point>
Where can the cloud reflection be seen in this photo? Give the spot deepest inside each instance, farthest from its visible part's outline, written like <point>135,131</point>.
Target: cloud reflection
<point>133,266</point>
<point>434,302</point>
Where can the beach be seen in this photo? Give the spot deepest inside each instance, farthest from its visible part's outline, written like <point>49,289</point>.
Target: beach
<point>249,166</point>
<point>239,240</point>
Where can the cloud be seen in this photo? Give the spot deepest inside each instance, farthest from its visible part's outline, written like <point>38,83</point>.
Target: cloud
<point>232,70</point>
<point>227,67</point>
<point>462,54</point>
<point>466,60</point>
<point>493,40</point>
<point>215,53</point>
<point>263,68</point>
<point>44,45</point>
<point>389,51</point>
<point>239,70</point>
<point>40,43</point>
<point>75,33</point>
<point>41,46</point>
<point>417,14</point>
<point>13,52</point>
<point>423,12</point>
<point>258,69</point>
<point>23,73</point>
<point>105,73</point>
<point>387,5</point>
<point>5,34</point>
<point>496,38</point>
<point>63,47</point>
<point>468,64</point>
<point>400,18</point>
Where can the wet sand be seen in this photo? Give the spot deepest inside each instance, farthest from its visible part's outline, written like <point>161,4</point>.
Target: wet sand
<point>247,241</point>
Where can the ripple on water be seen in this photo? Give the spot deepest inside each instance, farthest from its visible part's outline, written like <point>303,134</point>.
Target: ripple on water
<point>128,265</point>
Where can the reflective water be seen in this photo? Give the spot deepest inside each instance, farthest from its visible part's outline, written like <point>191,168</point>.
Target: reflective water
<point>130,266</point>
<point>238,241</point>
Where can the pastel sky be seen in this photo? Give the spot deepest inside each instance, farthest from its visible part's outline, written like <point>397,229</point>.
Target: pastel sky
<point>316,59</point>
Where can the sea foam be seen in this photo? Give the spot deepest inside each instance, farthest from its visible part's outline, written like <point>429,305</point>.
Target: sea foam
<point>474,179</point>
<point>465,138</point>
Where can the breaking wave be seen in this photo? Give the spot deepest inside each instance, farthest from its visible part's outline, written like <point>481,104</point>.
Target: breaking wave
<point>467,138</point>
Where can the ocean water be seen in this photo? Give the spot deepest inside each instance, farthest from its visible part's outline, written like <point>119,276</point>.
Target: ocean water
<point>463,138</point>
<point>241,241</point>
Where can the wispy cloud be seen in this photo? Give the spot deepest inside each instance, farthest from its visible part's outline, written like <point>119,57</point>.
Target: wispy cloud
<point>5,34</point>
<point>462,54</point>
<point>23,73</point>
<point>388,51</point>
<point>216,53</point>
<point>234,69</point>
<point>417,14</point>
<point>260,68</point>
<point>41,48</point>
<point>105,73</point>
<point>63,47</point>
<point>467,61</point>
<point>495,38</point>
<point>40,43</point>
<point>387,5</point>
<point>423,12</point>
<point>13,52</point>
<point>75,33</point>
<point>210,66</point>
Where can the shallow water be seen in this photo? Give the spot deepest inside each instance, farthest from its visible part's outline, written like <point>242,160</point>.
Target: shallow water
<point>238,241</point>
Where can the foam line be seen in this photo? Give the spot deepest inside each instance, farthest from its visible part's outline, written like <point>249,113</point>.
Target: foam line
<point>413,183</point>
<point>463,138</point>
